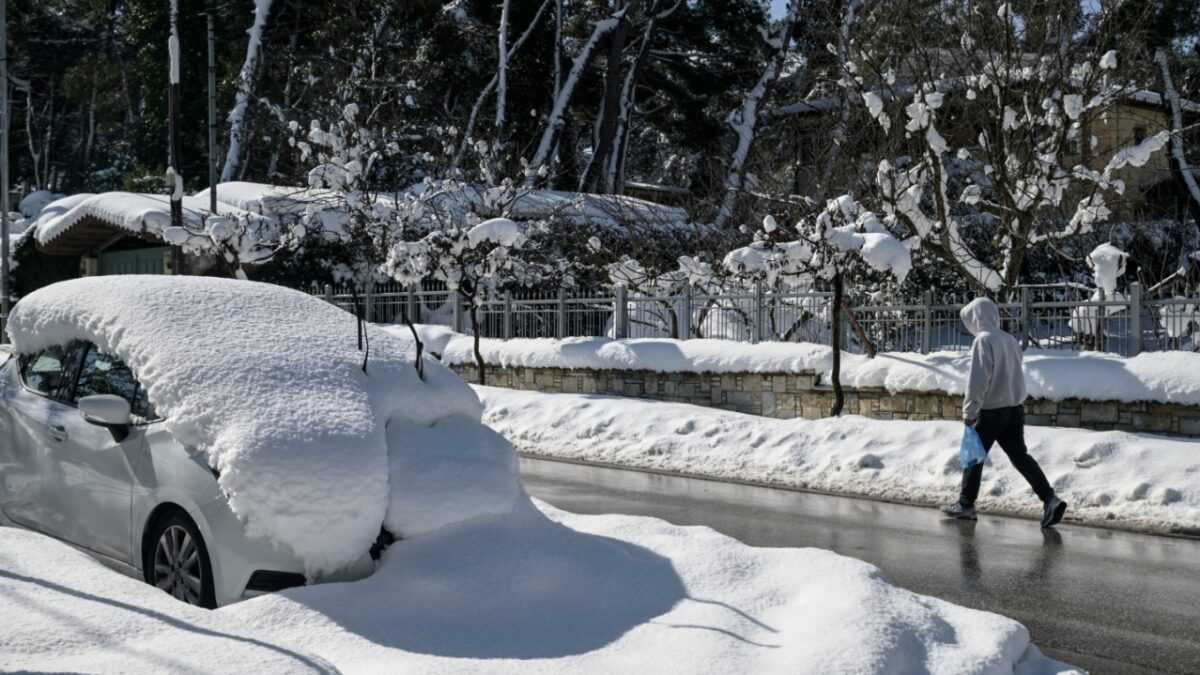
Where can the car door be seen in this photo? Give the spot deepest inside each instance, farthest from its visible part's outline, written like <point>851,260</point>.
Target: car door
<point>96,470</point>
<point>32,392</point>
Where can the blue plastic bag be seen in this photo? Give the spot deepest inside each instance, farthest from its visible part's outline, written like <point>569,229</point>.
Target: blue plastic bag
<point>971,450</point>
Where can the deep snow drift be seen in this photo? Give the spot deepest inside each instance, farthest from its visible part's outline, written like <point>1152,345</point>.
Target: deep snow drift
<point>268,384</point>
<point>64,612</point>
<point>1110,478</point>
<point>515,594</point>
<point>1057,375</point>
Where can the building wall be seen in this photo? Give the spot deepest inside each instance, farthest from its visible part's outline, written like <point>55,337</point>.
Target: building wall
<point>792,395</point>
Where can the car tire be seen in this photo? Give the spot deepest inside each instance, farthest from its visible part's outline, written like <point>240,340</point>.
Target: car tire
<point>176,560</point>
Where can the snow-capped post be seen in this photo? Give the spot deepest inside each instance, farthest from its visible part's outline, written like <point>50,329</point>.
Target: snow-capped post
<point>561,314</point>
<point>212,108</point>
<point>4,115</point>
<point>1026,323</point>
<point>927,321</point>
<point>508,316</point>
<point>620,312</point>
<point>174,179</point>
<point>756,326</point>
<point>1135,318</point>
<point>329,293</point>
<point>685,329</point>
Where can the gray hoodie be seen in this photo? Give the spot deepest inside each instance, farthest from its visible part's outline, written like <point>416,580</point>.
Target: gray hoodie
<point>995,379</point>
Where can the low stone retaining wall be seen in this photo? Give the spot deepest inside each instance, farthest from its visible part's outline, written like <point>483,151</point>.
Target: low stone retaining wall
<point>790,395</point>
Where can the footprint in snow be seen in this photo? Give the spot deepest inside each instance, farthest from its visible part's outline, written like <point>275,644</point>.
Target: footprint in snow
<point>1164,496</point>
<point>1137,492</point>
<point>686,428</point>
<point>866,461</point>
<point>1093,455</point>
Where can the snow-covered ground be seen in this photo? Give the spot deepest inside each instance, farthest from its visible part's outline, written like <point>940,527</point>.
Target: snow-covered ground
<point>1158,376</point>
<point>519,594</point>
<point>1134,481</point>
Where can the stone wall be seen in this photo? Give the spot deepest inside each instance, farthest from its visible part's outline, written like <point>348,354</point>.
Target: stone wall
<point>789,395</point>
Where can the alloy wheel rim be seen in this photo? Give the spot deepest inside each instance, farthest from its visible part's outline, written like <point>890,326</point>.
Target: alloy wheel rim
<point>177,565</point>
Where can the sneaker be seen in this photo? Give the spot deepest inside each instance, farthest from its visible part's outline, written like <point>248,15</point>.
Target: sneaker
<point>1053,512</point>
<point>959,512</point>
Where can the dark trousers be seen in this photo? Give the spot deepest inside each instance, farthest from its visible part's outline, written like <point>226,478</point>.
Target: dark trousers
<point>1005,426</point>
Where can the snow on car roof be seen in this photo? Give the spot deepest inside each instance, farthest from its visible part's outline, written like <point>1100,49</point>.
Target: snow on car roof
<point>138,213</point>
<point>266,383</point>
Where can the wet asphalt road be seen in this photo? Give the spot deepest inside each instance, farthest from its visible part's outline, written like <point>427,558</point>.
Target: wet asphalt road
<point>1111,602</point>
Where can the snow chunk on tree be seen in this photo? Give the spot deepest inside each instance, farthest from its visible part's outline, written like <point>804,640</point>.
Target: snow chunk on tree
<point>267,385</point>
<point>1107,263</point>
<point>501,231</point>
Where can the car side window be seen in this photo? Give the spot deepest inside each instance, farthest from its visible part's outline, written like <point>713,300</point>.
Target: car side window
<point>46,371</point>
<point>104,374</point>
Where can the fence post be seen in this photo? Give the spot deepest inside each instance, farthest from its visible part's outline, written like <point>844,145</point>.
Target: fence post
<point>1135,319</point>
<point>561,323</point>
<point>508,316</point>
<point>756,325</point>
<point>329,293</point>
<point>1026,324</point>
<point>413,316</point>
<point>620,313</point>
<point>369,301</point>
<point>686,316</point>
<point>927,323</point>
<point>458,311</point>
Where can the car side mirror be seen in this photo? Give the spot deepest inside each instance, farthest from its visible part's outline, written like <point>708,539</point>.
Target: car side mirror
<point>108,411</point>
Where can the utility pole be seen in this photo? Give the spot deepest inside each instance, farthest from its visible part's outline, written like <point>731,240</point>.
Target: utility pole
<point>212,111</point>
<point>4,252</point>
<point>173,178</point>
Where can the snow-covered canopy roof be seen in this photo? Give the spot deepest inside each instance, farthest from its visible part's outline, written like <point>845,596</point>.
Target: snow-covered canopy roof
<point>94,218</point>
<point>575,207</point>
<point>267,385</point>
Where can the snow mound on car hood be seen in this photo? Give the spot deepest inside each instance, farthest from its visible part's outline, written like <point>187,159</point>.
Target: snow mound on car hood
<point>267,383</point>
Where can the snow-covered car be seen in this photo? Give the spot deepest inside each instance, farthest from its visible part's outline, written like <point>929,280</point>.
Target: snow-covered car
<point>223,438</point>
<point>85,458</point>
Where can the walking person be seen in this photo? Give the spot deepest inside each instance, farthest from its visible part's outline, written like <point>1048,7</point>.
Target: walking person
<point>994,406</point>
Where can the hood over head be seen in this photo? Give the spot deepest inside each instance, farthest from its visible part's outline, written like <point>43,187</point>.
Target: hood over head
<point>981,314</point>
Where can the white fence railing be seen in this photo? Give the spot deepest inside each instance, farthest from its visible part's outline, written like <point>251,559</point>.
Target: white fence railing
<point>1059,317</point>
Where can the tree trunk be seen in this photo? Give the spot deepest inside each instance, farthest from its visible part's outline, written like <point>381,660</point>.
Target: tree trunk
<point>835,342</point>
<point>610,107</point>
<point>479,364</point>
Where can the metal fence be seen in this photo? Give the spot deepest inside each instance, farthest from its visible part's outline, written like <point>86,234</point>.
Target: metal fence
<point>1047,317</point>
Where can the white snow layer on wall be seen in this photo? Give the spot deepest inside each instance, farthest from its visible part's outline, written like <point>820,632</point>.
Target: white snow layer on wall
<point>138,213</point>
<point>267,384</point>
<point>1110,478</point>
<point>1170,377</point>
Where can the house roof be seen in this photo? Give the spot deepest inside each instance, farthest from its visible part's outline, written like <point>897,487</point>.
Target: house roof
<point>575,207</point>
<point>83,223</point>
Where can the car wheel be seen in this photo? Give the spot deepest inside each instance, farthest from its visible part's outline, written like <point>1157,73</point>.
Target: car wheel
<point>177,561</point>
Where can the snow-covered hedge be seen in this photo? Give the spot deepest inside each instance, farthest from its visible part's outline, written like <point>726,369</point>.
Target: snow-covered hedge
<point>267,385</point>
<point>1172,377</point>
